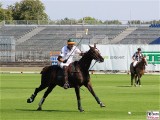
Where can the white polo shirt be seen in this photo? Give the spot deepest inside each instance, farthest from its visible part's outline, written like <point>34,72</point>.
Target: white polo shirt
<point>65,53</point>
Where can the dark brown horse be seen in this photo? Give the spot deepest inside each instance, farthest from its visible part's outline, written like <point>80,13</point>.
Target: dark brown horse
<point>78,75</point>
<point>138,71</point>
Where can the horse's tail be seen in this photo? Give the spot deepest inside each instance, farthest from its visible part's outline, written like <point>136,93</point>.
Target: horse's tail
<point>131,68</point>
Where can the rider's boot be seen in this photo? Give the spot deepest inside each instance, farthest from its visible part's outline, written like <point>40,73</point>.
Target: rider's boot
<point>65,77</point>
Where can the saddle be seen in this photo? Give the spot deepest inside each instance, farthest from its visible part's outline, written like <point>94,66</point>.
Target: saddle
<point>74,67</point>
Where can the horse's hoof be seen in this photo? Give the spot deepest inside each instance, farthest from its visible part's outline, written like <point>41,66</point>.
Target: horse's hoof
<point>102,105</point>
<point>81,110</point>
<point>66,85</point>
<point>39,109</point>
<point>29,100</point>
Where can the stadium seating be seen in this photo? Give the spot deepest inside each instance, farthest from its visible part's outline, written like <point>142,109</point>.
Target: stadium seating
<point>142,35</point>
<point>155,25</point>
<point>16,31</point>
<point>54,37</point>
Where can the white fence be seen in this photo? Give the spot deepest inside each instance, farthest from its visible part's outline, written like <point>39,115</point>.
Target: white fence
<point>119,57</point>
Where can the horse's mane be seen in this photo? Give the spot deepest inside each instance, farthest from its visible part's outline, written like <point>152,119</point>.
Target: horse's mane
<point>142,63</point>
<point>85,61</point>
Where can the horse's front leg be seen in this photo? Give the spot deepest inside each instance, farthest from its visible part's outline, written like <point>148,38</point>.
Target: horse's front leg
<point>89,87</point>
<point>132,77</point>
<point>40,88</point>
<point>135,83</point>
<point>139,80</point>
<point>78,99</point>
<point>50,88</point>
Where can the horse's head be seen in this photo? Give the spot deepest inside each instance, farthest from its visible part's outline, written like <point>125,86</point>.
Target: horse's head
<point>95,54</point>
<point>144,60</point>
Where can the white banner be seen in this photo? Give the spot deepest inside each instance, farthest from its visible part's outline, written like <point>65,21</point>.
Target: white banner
<point>119,57</point>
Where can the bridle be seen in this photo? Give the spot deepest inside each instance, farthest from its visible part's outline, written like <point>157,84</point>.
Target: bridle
<point>94,55</point>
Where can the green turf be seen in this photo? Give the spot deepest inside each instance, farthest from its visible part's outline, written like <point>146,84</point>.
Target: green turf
<point>113,90</point>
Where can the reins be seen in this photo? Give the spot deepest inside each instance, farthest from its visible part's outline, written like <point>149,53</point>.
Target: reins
<point>92,66</point>
<point>94,62</point>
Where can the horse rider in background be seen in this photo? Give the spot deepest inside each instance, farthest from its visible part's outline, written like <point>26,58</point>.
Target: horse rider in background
<point>137,57</point>
<point>66,57</point>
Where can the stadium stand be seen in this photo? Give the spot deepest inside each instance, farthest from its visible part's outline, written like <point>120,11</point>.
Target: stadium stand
<point>34,42</point>
<point>16,31</point>
<point>155,25</point>
<point>25,37</point>
<point>122,35</point>
<point>142,35</point>
<point>54,37</point>
<point>156,41</point>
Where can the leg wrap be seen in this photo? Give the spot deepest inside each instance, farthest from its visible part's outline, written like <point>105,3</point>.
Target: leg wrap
<point>65,75</point>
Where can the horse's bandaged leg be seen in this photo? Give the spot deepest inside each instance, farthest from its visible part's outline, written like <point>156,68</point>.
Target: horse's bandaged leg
<point>65,77</point>
<point>41,102</point>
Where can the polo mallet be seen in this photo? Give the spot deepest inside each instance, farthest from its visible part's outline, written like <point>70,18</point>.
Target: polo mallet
<point>86,33</point>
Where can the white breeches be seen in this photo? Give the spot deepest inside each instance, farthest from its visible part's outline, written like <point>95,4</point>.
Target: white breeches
<point>63,64</point>
<point>135,63</point>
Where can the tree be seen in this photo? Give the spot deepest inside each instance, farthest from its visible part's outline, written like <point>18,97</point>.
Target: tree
<point>114,22</point>
<point>28,10</point>
<point>67,21</point>
<point>90,20</point>
<point>16,13</point>
<point>5,14</point>
<point>134,22</point>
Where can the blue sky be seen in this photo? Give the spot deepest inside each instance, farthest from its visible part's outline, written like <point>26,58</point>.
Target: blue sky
<point>100,9</point>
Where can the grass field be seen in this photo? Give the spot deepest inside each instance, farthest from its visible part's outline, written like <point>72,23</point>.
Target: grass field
<point>113,90</point>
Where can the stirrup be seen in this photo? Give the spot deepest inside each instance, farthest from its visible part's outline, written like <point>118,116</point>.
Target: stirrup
<point>66,85</point>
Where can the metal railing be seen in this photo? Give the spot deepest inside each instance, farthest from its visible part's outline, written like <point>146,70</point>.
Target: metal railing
<point>75,22</point>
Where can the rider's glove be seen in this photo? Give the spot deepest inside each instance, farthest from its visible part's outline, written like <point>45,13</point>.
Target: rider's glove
<point>65,61</point>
